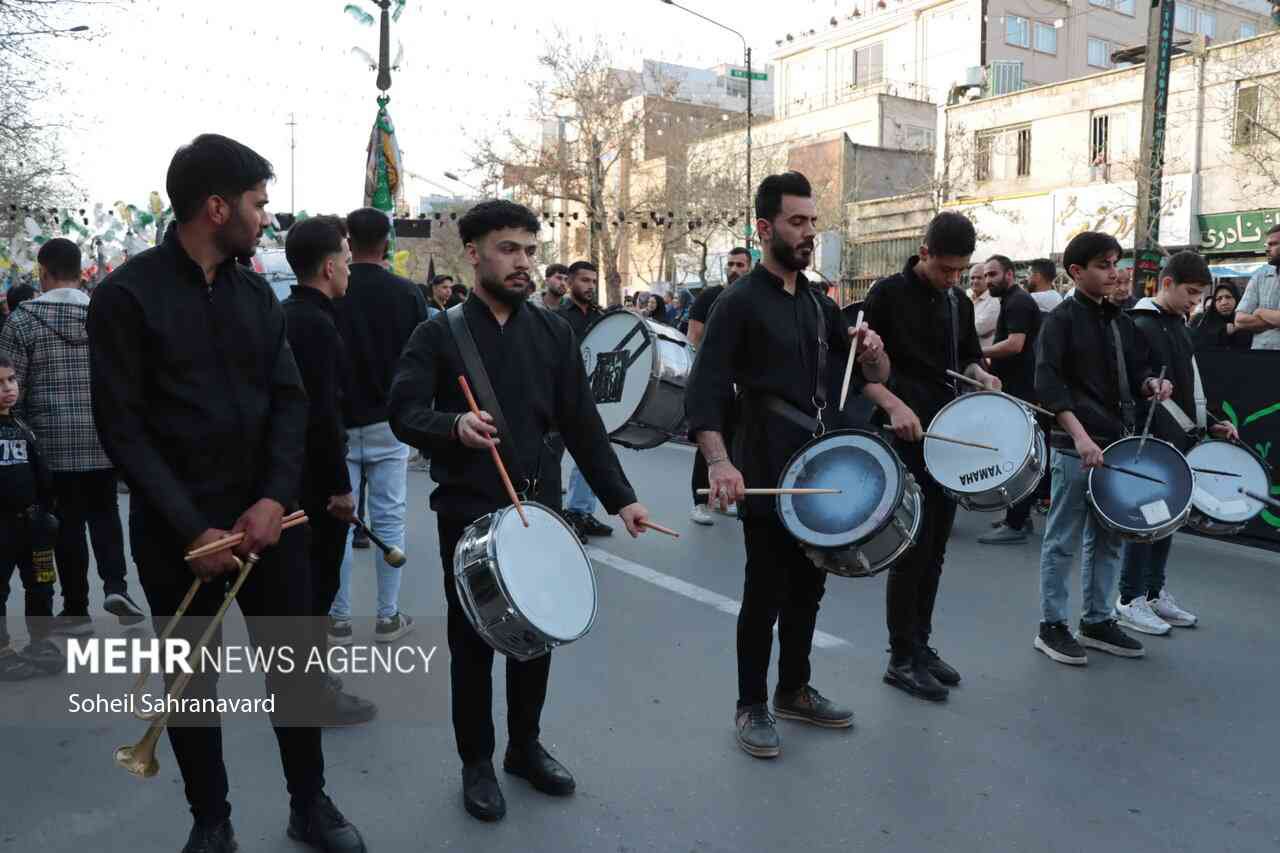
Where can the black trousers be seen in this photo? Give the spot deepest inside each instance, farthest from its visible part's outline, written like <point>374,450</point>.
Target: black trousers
<point>275,601</point>
<point>328,544</point>
<point>471,673</point>
<point>701,479</point>
<point>912,589</point>
<point>781,586</point>
<point>88,498</point>
<point>1016,516</point>
<point>15,552</point>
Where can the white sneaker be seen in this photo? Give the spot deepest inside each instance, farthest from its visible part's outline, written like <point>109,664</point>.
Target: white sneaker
<point>701,515</point>
<point>1168,610</point>
<point>1139,616</point>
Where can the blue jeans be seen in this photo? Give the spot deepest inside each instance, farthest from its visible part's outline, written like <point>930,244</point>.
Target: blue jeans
<point>1143,572</point>
<point>1071,522</point>
<point>580,498</point>
<point>376,454</point>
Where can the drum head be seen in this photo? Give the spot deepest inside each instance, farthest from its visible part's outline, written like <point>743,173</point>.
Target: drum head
<point>1219,497</point>
<point>618,353</point>
<point>546,572</point>
<point>863,466</point>
<point>1135,503</point>
<point>985,418</point>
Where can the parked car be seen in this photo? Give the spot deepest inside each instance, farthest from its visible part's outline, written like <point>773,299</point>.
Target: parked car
<point>272,265</point>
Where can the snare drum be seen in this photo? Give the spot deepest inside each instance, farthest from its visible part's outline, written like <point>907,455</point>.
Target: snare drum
<point>980,479</point>
<point>862,531</point>
<point>1139,509</point>
<point>638,370</point>
<point>525,590</point>
<point>1217,507</point>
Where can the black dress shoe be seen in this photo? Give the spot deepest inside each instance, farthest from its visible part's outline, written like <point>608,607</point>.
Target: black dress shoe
<point>480,792</point>
<point>322,826</point>
<point>543,772</point>
<point>939,668</point>
<point>343,709</point>
<point>219,838</point>
<point>911,674</point>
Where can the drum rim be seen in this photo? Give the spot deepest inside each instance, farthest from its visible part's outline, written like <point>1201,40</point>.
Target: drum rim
<point>1031,442</point>
<point>496,520</point>
<point>1180,518</point>
<point>1237,445</point>
<point>893,454</point>
<point>655,374</point>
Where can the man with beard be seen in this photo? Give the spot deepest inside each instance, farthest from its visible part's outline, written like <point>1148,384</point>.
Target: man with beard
<point>198,401</point>
<point>557,277</point>
<point>928,328</point>
<point>769,335</point>
<point>441,292</point>
<point>1013,359</point>
<point>1259,308</point>
<point>532,361</point>
<point>735,267</point>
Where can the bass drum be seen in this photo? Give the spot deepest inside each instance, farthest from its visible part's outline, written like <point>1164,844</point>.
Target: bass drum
<point>1138,509</point>
<point>638,371</point>
<point>865,529</point>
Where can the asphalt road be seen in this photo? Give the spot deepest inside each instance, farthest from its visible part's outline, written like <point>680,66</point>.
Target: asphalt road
<point>1173,752</point>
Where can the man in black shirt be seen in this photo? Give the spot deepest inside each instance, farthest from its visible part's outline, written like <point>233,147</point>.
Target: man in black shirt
<point>531,358</point>
<point>557,278</point>
<point>769,335</point>
<point>1078,378</point>
<point>1013,359</point>
<point>441,292</point>
<point>198,401</point>
<point>375,320</point>
<point>928,328</point>
<point>736,266</point>
<point>317,251</point>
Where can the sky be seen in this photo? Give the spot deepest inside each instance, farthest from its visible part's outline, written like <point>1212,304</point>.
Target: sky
<point>157,72</point>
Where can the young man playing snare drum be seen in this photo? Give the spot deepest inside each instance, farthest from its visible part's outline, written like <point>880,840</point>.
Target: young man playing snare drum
<point>1078,379</point>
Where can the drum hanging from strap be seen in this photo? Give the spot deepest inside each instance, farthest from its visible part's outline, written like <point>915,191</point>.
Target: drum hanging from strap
<point>1136,508</point>
<point>865,529</point>
<point>1218,508</point>
<point>979,479</point>
<point>638,371</point>
<point>525,590</point>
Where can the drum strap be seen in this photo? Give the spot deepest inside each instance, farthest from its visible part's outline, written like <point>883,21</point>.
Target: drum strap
<point>486,397</point>
<point>953,313</point>
<point>1127,413</point>
<point>820,359</point>
<point>1202,402</point>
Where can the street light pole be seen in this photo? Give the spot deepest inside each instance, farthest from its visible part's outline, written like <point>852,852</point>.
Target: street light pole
<point>746,49</point>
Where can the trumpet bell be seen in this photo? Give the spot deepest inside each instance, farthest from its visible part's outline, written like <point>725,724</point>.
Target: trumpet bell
<point>137,762</point>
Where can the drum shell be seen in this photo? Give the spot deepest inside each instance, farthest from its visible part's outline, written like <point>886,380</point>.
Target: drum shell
<point>1202,522</point>
<point>883,548</point>
<point>1020,483</point>
<point>1142,535</point>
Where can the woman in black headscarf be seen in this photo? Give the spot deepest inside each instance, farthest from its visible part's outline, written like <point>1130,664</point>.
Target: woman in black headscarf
<point>1215,328</point>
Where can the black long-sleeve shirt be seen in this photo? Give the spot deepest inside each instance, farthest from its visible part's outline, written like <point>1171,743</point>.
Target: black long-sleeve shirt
<point>196,395</point>
<point>25,479</point>
<point>318,350</point>
<point>1019,314</point>
<point>914,320</point>
<point>375,320</point>
<point>1076,366</point>
<point>537,374</point>
<point>765,341</point>
<point>578,319</point>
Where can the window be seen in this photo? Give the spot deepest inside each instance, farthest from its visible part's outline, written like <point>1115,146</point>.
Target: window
<point>1002,154</point>
<point>1106,4</point>
<point>917,138</point>
<point>1124,7</point>
<point>1248,31</point>
<point>984,143</point>
<point>848,67</point>
<point>1184,18</point>
<point>1100,53</point>
<point>868,64</point>
<point>1099,137</point>
<point>1207,23</point>
<point>1024,152</point>
<point>1046,38</point>
<point>1248,102</point>
<point>1017,31</point>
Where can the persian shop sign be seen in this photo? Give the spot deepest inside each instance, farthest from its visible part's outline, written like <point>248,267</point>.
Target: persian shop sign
<point>1244,232</point>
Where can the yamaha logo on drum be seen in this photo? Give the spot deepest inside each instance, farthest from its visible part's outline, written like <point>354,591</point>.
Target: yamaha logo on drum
<point>979,475</point>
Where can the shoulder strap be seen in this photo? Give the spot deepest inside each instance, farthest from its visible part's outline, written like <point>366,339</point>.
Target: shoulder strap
<point>953,309</point>
<point>820,360</point>
<point>1126,396</point>
<point>485,395</point>
<point>1202,402</point>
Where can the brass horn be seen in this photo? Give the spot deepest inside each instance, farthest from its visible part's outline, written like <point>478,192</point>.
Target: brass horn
<point>140,758</point>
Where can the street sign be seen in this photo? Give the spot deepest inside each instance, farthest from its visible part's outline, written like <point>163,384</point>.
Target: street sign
<point>755,75</point>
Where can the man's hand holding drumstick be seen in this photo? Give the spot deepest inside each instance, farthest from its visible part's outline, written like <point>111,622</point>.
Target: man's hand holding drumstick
<point>212,565</point>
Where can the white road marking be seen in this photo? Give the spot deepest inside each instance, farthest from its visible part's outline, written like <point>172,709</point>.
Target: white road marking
<point>821,639</point>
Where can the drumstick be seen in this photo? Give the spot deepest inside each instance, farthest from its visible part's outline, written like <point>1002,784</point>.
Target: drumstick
<point>783,491</point>
<point>1215,473</point>
<point>978,384</point>
<point>493,451</point>
<point>231,540</point>
<point>660,529</point>
<point>848,365</point>
<point>948,438</point>
<point>1110,467</point>
<point>1151,412</point>
<point>1266,499</point>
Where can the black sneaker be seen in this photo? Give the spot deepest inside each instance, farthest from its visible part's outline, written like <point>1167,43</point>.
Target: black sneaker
<point>14,667</point>
<point>1106,636</point>
<point>937,667</point>
<point>219,838</point>
<point>589,525</point>
<point>339,632</point>
<point>322,826</point>
<point>45,656</point>
<point>337,708</point>
<point>121,606</point>
<point>910,675</point>
<point>390,630</point>
<point>359,540</point>
<point>71,624</point>
<point>1056,641</point>
<point>757,734</point>
<point>810,706</point>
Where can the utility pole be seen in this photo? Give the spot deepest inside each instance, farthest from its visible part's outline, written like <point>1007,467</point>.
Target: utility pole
<point>1155,103</point>
<point>293,173</point>
<point>747,225</point>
